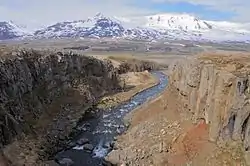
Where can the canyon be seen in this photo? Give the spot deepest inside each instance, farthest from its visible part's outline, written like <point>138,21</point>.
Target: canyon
<point>202,118</point>
<point>32,81</point>
<point>44,95</point>
<point>52,101</point>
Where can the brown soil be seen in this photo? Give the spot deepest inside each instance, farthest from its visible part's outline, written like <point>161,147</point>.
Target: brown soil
<point>162,133</point>
<point>237,63</point>
<point>134,83</point>
<point>190,144</point>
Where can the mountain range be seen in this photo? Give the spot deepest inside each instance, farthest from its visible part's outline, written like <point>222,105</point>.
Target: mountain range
<point>154,27</point>
<point>10,30</point>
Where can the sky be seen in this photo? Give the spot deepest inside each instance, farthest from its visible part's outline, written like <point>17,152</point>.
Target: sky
<point>36,13</point>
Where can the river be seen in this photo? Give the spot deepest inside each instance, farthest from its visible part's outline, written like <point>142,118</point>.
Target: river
<point>100,129</point>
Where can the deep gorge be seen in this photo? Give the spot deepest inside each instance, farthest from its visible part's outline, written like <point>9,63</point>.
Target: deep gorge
<point>31,80</point>
<point>45,93</point>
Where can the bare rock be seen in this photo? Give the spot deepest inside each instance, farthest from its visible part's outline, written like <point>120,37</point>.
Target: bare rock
<point>32,80</point>
<point>82,141</point>
<point>66,162</point>
<point>216,88</point>
<point>51,163</point>
<point>88,147</point>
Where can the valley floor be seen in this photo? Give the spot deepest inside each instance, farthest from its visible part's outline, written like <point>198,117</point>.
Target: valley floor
<point>162,132</point>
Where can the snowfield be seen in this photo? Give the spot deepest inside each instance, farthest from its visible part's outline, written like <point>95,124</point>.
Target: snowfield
<point>153,27</point>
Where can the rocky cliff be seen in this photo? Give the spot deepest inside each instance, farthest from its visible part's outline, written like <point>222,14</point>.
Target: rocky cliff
<point>31,80</point>
<point>216,88</point>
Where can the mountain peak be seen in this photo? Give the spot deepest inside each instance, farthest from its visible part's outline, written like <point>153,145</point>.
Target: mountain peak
<point>183,22</point>
<point>99,15</point>
<point>10,30</point>
<point>158,26</point>
<point>97,27</point>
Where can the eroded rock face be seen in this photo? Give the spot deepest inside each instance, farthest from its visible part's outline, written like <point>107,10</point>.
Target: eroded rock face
<point>216,89</point>
<point>29,80</point>
<point>135,65</point>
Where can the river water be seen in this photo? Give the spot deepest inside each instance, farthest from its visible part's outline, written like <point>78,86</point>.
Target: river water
<point>100,129</point>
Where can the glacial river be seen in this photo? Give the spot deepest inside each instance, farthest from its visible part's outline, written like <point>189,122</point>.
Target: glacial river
<point>100,129</point>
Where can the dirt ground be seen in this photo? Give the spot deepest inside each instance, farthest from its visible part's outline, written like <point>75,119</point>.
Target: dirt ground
<point>158,58</point>
<point>134,83</point>
<point>162,134</point>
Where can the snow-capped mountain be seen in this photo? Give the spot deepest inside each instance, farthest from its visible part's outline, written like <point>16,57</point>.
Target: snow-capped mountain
<point>230,26</point>
<point>153,27</point>
<point>159,26</point>
<point>143,33</point>
<point>181,22</point>
<point>10,30</point>
<point>189,27</point>
<point>98,26</point>
<point>189,23</point>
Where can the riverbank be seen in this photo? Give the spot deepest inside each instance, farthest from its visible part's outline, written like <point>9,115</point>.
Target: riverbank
<point>163,133</point>
<point>167,131</point>
<point>101,128</point>
<point>134,82</point>
<point>43,94</point>
<point>28,149</point>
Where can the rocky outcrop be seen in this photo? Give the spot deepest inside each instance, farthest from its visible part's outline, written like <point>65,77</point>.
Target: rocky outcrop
<point>135,65</point>
<point>217,88</point>
<point>30,80</point>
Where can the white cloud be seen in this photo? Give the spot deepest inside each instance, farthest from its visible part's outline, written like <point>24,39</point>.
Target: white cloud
<point>36,13</point>
<point>43,12</point>
<point>238,7</point>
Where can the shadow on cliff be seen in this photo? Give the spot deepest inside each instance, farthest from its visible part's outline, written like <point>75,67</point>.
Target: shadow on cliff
<point>44,94</point>
<point>32,80</point>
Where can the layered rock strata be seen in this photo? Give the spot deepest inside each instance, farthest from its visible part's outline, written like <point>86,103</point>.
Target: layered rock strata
<point>217,88</point>
<point>30,80</point>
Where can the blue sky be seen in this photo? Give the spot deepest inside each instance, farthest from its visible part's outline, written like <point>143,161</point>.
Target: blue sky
<point>201,11</point>
<point>37,13</point>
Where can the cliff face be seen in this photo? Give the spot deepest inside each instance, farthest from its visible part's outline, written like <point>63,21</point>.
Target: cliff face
<point>216,88</point>
<point>30,80</point>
